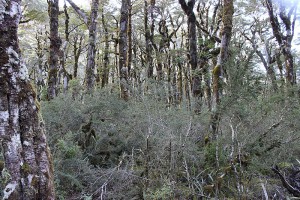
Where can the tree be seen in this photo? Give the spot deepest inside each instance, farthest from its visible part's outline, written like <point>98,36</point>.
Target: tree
<point>148,58</point>
<point>284,40</point>
<point>26,153</point>
<point>105,69</point>
<point>218,71</point>
<point>55,43</point>
<point>193,57</point>
<point>123,48</point>
<point>92,25</point>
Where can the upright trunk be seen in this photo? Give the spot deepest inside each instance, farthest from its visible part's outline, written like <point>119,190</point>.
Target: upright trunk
<point>218,70</point>
<point>40,54</point>
<point>77,51</point>
<point>67,20</point>
<point>193,58</point>
<point>123,48</point>
<point>64,53</point>
<point>148,57</point>
<point>90,69</point>
<point>55,43</point>
<point>26,154</point>
<point>129,35</point>
<point>105,70</point>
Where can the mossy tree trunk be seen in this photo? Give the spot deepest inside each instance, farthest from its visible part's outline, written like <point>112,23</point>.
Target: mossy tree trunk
<point>90,69</point>
<point>26,154</point>
<point>218,71</point>
<point>40,82</point>
<point>77,49</point>
<point>284,37</point>
<point>129,37</point>
<point>148,57</point>
<point>55,43</point>
<point>105,69</point>
<point>192,36</point>
<point>123,49</point>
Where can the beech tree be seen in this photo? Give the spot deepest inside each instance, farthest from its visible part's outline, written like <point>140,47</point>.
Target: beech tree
<point>91,23</point>
<point>207,101</point>
<point>218,71</point>
<point>284,36</point>
<point>123,49</point>
<point>26,154</point>
<point>193,57</point>
<point>55,43</point>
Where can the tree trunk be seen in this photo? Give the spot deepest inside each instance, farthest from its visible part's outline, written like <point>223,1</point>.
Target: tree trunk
<point>105,70</point>
<point>91,54</point>
<point>218,71</point>
<point>129,35</point>
<point>90,69</point>
<point>148,58</point>
<point>284,41</point>
<point>193,58</point>
<point>123,48</point>
<point>40,54</point>
<point>77,51</point>
<point>26,154</point>
<point>55,43</point>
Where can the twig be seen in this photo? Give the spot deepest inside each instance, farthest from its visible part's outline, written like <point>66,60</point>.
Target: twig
<point>265,191</point>
<point>286,184</point>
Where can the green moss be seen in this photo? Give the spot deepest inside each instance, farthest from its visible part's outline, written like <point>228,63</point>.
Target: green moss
<point>26,168</point>
<point>216,71</point>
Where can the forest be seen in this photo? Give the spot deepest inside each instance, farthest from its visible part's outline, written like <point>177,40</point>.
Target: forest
<point>149,99</point>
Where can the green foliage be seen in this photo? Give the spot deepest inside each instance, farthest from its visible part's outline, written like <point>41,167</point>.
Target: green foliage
<point>36,10</point>
<point>161,150</point>
<point>164,192</point>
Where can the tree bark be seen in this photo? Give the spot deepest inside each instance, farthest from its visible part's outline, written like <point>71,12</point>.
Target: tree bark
<point>148,57</point>
<point>193,57</point>
<point>77,49</point>
<point>40,54</point>
<point>129,35</point>
<point>55,43</point>
<point>90,69</point>
<point>105,70</point>
<point>284,41</point>
<point>123,48</point>
<point>26,153</point>
<point>218,71</point>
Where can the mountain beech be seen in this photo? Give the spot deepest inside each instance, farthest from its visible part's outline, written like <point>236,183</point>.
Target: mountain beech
<point>193,57</point>
<point>26,153</point>
<point>123,49</point>
<point>91,23</point>
<point>218,71</point>
<point>55,43</point>
<point>284,37</point>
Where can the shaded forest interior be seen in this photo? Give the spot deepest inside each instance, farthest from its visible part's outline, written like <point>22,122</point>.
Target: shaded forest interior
<point>167,99</point>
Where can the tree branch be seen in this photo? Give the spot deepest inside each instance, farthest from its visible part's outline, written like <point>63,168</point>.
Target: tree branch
<point>293,190</point>
<point>79,11</point>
